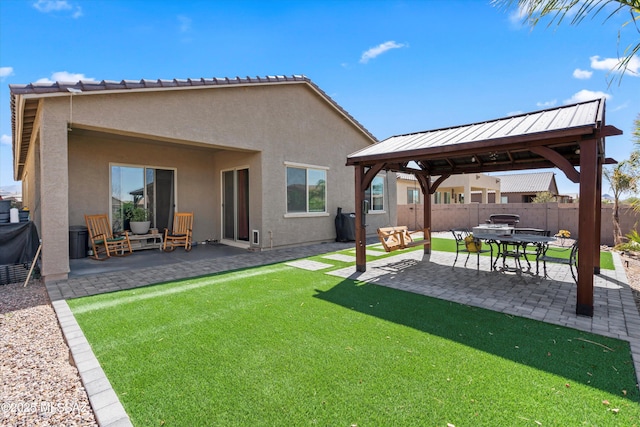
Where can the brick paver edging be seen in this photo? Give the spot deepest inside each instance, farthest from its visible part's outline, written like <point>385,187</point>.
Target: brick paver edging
<point>107,408</point>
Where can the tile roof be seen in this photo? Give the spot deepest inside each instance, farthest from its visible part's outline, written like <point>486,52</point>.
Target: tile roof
<point>30,93</point>
<point>104,85</point>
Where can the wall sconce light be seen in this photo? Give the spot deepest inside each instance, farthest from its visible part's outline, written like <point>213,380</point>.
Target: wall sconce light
<point>577,150</point>
<point>473,159</point>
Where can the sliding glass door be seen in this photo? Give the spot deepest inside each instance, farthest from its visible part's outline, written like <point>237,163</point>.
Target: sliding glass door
<point>143,187</point>
<point>235,205</point>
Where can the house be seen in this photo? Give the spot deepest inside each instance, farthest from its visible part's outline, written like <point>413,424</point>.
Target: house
<point>523,187</point>
<point>464,188</point>
<point>259,161</point>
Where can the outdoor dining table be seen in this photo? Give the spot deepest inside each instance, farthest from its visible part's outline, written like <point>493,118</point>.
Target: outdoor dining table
<point>514,246</point>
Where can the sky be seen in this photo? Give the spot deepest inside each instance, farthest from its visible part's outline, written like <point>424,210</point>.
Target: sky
<point>396,66</point>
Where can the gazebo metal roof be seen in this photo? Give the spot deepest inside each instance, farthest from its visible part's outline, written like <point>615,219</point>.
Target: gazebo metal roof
<point>510,143</point>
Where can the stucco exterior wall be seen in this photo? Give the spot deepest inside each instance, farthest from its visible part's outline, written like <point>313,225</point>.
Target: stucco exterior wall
<point>199,133</point>
<point>90,160</point>
<point>54,221</point>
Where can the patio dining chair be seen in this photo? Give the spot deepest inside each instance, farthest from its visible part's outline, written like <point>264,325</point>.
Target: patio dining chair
<point>103,240</point>
<point>532,252</point>
<point>571,261</point>
<point>180,236</point>
<point>465,243</point>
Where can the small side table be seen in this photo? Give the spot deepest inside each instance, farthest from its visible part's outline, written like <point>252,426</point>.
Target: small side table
<point>145,241</point>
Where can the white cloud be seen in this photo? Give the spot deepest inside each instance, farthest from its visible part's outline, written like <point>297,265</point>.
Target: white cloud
<point>64,76</point>
<point>517,16</point>
<point>379,50</point>
<point>185,23</point>
<point>47,6</point>
<point>613,64</point>
<point>586,95</point>
<point>547,104</point>
<point>5,72</point>
<point>5,139</point>
<point>582,74</point>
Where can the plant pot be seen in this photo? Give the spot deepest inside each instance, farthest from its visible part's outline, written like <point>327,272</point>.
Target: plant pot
<point>141,227</point>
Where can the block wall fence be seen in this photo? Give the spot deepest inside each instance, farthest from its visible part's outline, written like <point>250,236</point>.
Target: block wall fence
<point>547,216</point>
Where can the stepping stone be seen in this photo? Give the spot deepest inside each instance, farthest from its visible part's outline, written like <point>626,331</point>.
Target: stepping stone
<point>340,257</point>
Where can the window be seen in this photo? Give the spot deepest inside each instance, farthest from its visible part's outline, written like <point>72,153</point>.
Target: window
<point>447,198</point>
<point>413,196</point>
<point>306,190</point>
<point>375,194</point>
<point>143,187</point>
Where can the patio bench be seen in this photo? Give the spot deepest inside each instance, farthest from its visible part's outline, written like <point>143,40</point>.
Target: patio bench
<point>399,237</point>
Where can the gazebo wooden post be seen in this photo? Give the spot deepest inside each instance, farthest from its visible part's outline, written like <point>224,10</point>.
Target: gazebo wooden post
<point>598,219</point>
<point>425,186</point>
<point>361,232</point>
<point>427,217</point>
<point>587,225</point>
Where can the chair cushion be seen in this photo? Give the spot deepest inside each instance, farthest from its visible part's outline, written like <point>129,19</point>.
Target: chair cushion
<point>176,235</point>
<point>472,245</point>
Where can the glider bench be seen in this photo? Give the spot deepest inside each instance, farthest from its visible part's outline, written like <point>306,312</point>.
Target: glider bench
<point>399,237</point>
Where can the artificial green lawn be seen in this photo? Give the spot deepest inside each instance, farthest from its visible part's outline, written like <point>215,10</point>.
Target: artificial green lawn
<point>277,345</point>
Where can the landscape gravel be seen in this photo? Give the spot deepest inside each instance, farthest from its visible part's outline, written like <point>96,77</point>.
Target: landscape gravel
<point>39,385</point>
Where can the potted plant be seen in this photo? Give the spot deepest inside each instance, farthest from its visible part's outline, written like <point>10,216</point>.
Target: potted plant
<point>139,220</point>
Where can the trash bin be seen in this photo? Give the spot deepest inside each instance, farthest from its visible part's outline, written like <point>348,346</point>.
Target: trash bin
<point>78,241</point>
<point>345,226</point>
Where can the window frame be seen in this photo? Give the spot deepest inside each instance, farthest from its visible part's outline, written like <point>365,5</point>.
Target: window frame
<point>368,194</point>
<point>307,168</point>
<point>413,196</point>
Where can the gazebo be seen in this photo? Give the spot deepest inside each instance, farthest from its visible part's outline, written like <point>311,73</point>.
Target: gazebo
<point>570,138</point>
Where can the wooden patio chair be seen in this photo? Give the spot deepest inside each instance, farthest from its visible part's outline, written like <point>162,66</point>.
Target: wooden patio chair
<point>181,234</point>
<point>102,239</point>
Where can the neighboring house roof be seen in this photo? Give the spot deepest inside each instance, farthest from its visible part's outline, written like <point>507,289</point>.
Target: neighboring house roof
<point>24,99</point>
<point>406,176</point>
<point>527,182</point>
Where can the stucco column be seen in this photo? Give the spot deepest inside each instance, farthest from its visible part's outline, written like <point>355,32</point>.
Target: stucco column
<point>54,195</point>
<point>467,194</point>
<point>485,196</point>
<point>498,197</point>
